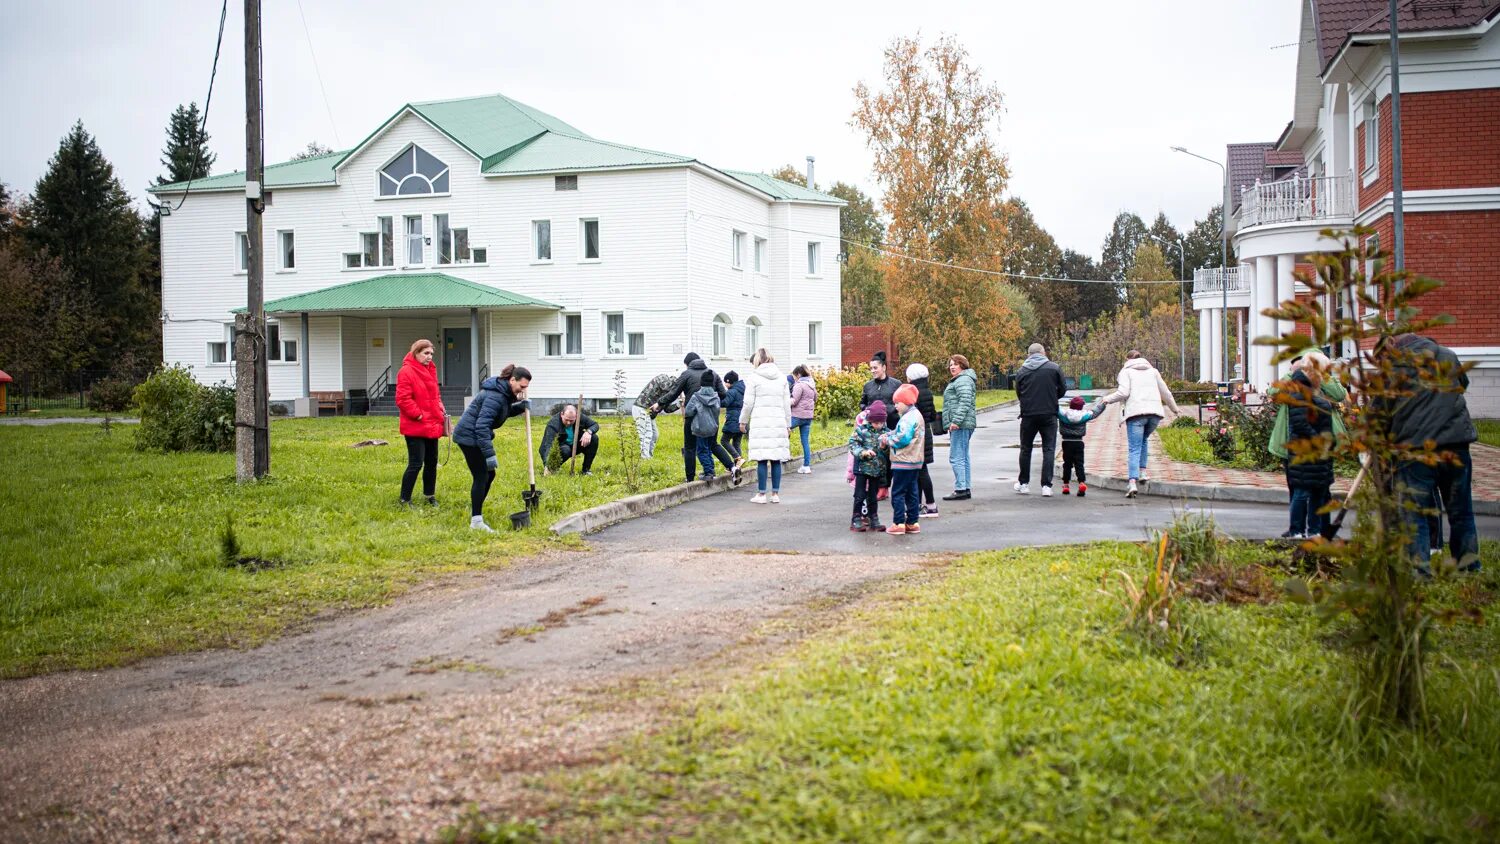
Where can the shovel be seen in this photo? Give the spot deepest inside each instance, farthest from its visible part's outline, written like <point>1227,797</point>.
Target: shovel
<point>532,497</point>
<point>1331,528</point>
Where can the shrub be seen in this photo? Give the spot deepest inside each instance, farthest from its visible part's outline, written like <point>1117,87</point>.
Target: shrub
<point>1253,426</point>
<point>279,409</point>
<point>839,391</point>
<point>1183,422</point>
<point>112,394</point>
<point>1197,539</point>
<point>1203,391</point>
<point>179,414</point>
<point>1221,437</point>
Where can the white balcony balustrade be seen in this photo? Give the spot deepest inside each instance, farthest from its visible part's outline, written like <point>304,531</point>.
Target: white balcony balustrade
<point>1214,279</point>
<point>1297,199</point>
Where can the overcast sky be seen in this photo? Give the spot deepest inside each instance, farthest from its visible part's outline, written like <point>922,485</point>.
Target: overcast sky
<point>1096,90</point>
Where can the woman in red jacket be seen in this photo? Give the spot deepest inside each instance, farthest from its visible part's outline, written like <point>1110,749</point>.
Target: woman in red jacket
<point>423,419</point>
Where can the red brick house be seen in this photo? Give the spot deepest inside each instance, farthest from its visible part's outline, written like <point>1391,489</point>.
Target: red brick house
<point>1331,168</point>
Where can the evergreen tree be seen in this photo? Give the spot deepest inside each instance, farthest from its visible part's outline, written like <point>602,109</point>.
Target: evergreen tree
<point>1119,247</point>
<point>186,155</point>
<point>7,213</point>
<point>1093,300</point>
<point>1203,247</point>
<point>80,214</point>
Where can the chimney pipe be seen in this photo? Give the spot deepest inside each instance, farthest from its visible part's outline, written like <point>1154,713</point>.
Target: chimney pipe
<point>810,171</point>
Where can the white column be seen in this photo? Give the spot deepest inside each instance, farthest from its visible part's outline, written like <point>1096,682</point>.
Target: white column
<point>1216,343</point>
<point>1286,265</point>
<point>1205,346</point>
<point>1247,279</point>
<point>1265,286</point>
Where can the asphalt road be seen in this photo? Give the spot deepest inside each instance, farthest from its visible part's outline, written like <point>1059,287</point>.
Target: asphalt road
<point>815,510</point>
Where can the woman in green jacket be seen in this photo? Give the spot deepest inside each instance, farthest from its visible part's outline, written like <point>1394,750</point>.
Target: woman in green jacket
<point>958,420</point>
<point>1331,390</point>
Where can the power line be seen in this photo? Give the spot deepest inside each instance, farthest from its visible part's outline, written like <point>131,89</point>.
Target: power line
<point>203,129</point>
<point>946,265</point>
<point>319,73</point>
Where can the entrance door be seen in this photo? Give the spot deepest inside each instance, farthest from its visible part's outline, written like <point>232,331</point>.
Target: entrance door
<point>457,364</point>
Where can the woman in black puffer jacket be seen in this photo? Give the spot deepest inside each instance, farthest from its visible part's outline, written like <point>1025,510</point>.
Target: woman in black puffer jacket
<point>1310,480</point>
<point>916,375</point>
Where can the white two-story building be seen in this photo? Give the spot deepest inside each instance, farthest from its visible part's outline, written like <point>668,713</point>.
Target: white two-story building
<point>504,235</point>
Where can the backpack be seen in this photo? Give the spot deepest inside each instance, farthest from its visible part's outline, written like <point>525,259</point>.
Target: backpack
<point>705,417</point>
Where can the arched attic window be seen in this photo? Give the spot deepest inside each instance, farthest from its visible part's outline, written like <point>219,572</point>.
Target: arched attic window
<point>752,335</point>
<point>413,173</point>
<point>721,336</point>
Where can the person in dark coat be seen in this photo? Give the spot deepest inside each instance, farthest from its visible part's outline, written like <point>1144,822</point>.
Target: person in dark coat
<point>688,383</point>
<point>500,397</point>
<point>560,429</point>
<point>917,376</point>
<point>734,400</point>
<point>1309,419</point>
<point>1437,412</point>
<point>1039,386</point>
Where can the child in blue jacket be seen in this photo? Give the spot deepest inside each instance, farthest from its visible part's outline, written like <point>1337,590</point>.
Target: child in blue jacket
<point>1072,423</point>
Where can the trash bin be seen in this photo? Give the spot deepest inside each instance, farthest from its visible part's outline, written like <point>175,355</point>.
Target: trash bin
<point>1085,382</point>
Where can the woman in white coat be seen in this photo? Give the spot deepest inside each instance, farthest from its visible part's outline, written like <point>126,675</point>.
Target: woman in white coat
<point>767,419</point>
<point>1146,398</point>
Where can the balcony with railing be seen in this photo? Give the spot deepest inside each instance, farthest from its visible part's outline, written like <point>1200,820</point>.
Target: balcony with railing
<point>1297,199</point>
<point>1214,280</point>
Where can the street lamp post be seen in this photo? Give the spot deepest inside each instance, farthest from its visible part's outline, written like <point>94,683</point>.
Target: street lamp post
<point>1181,301</point>
<point>1223,257</point>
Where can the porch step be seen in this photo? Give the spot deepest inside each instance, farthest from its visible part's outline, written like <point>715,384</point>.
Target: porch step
<point>453,403</point>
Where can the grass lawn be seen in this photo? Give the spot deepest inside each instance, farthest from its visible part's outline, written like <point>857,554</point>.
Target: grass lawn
<point>1489,431</point>
<point>1002,702</point>
<point>983,398</point>
<point>1187,445</point>
<point>111,554</point>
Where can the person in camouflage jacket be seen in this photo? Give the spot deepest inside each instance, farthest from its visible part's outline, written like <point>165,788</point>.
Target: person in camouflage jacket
<point>645,419</point>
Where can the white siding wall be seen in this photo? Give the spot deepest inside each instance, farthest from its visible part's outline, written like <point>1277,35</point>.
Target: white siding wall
<point>815,298</point>
<point>664,264</point>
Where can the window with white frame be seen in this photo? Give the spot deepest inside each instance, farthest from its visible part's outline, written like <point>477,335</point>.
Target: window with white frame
<point>453,244</point>
<point>242,252</point>
<point>1372,135</point>
<point>814,338</point>
<point>222,351</point>
<point>614,334</point>
<point>568,342</point>
<point>541,240</point>
<point>760,254</point>
<point>376,248</point>
<point>752,336</point>
<point>721,336</point>
<point>278,349</point>
<point>565,183</point>
<point>415,172</point>
<point>814,257</point>
<point>588,239</point>
<point>415,251</point>
<point>552,345</point>
<point>737,250</point>
<point>480,254</point>
<point>286,249</point>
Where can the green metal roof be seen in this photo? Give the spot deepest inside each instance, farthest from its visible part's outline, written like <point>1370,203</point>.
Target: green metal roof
<point>404,292</point>
<point>317,170</point>
<point>553,152</point>
<point>783,190</point>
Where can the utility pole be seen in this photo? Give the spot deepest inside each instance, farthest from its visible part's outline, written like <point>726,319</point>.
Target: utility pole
<point>252,435</point>
<point>1397,221</point>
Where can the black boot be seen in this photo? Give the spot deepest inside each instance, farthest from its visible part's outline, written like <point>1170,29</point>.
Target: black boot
<point>690,463</point>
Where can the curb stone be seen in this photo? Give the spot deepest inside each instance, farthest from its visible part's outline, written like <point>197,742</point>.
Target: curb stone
<point>646,503</point>
<point>1249,495</point>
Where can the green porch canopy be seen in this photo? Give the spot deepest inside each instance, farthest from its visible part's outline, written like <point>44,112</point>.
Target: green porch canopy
<point>404,292</point>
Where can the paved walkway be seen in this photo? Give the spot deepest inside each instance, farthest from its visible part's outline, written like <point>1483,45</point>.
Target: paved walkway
<point>1108,453</point>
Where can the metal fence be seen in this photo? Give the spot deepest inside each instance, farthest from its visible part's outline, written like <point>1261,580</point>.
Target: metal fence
<point>32,392</point>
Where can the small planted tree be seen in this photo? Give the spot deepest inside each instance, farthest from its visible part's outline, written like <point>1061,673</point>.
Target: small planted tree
<point>1392,624</point>
<point>625,434</point>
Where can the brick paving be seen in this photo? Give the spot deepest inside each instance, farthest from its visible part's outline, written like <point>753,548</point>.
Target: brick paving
<point>1108,452</point>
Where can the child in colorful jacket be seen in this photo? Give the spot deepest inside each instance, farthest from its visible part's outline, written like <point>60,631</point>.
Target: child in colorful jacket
<point>1073,423</point>
<point>869,459</point>
<point>905,442</point>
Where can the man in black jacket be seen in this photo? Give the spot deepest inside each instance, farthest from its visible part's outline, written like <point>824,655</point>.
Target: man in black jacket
<point>1436,411</point>
<point>560,429</point>
<point>688,383</point>
<point>1039,386</point>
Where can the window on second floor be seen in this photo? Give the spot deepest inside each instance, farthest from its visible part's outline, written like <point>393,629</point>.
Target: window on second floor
<point>377,248</point>
<point>565,183</point>
<point>286,249</point>
<point>588,236</point>
<point>1372,134</point>
<point>242,252</point>
<point>814,257</point>
<point>415,251</point>
<point>541,240</point>
<point>412,173</point>
<point>453,244</point>
<point>814,339</point>
<point>760,254</point>
<point>737,250</point>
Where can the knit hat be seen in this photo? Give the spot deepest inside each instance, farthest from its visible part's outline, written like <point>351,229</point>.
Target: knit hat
<point>691,356</point>
<point>916,371</point>
<point>731,377</point>
<point>875,412</point>
<point>707,380</point>
<point>1076,403</point>
<point>906,394</point>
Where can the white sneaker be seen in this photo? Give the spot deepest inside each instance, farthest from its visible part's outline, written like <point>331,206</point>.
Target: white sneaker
<point>1046,492</point>
<point>775,498</point>
<point>805,470</point>
<point>758,498</point>
<point>1021,488</point>
<point>477,523</point>
<point>1131,490</point>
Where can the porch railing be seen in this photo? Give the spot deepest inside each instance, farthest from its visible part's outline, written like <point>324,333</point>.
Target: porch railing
<point>383,383</point>
<point>1215,279</point>
<point>484,372</point>
<point>1297,198</point>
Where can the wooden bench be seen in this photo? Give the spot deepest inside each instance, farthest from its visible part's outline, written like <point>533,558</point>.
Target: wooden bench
<point>329,400</point>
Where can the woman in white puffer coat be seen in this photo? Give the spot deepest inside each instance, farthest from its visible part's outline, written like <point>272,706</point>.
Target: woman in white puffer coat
<point>767,419</point>
<point>1146,399</point>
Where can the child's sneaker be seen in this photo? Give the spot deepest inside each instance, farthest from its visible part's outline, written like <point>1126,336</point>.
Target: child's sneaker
<point>775,498</point>
<point>896,530</point>
<point>883,494</point>
<point>930,511</point>
<point>1024,489</point>
<point>858,525</point>
<point>1083,489</point>
<point>913,528</point>
<point>735,476</point>
<point>758,498</point>
<point>1066,491</point>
